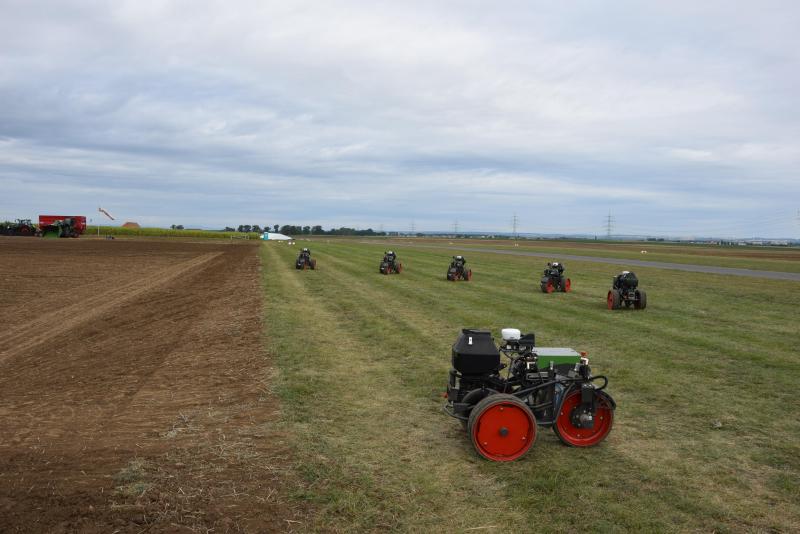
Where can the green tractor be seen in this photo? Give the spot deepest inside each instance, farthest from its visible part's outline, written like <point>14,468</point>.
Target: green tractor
<point>23,227</point>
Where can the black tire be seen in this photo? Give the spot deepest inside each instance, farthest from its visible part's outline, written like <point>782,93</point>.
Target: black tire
<point>641,302</point>
<point>474,397</point>
<point>473,413</point>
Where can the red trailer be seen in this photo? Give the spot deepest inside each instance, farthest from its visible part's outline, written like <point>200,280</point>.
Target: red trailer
<point>62,225</point>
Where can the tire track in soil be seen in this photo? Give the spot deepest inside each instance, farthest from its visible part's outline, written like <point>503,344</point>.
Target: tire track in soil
<point>171,385</point>
<point>24,337</point>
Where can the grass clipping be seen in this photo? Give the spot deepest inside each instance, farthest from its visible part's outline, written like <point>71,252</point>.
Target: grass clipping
<point>131,480</point>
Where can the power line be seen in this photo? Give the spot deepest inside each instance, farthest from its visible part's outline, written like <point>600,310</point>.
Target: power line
<point>455,227</point>
<point>514,222</point>
<point>610,220</point>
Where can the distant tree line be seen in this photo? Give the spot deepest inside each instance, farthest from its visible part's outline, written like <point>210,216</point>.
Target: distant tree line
<point>290,229</point>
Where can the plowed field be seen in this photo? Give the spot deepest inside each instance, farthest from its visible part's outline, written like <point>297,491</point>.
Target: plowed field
<point>134,389</point>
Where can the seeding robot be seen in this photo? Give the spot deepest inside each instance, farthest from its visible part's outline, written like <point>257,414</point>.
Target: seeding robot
<point>548,387</point>
<point>305,261</point>
<point>458,269</point>
<point>554,280</point>
<point>624,290</point>
<point>389,263</point>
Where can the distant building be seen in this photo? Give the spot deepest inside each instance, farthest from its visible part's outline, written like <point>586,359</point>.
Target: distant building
<point>130,224</point>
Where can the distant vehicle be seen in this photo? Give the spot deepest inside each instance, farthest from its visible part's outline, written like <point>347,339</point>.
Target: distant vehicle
<point>23,227</point>
<point>61,225</point>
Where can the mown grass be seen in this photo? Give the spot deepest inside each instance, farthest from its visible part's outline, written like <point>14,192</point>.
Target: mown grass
<point>705,436</point>
<point>133,479</point>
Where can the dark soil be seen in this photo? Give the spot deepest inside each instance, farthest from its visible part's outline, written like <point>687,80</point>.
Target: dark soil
<point>135,392</point>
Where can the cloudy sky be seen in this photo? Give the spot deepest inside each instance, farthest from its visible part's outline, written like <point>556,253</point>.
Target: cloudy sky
<point>677,117</point>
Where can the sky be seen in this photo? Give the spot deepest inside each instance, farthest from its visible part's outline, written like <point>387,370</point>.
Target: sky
<point>673,118</point>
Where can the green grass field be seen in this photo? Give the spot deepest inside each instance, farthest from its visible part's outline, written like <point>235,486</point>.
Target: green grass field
<point>91,231</point>
<point>706,435</point>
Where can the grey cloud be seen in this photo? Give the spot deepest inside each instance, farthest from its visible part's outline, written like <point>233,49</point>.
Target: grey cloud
<point>674,116</point>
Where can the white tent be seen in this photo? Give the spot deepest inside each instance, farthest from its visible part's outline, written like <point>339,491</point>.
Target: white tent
<point>271,236</point>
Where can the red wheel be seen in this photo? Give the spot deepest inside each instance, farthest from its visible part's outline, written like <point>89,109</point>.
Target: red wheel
<point>502,428</point>
<point>610,300</point>
<point>567,285</point>
<point>550,288</point>
<point>583,437</point>
<point>399,268</point>
<point>469,275</point>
